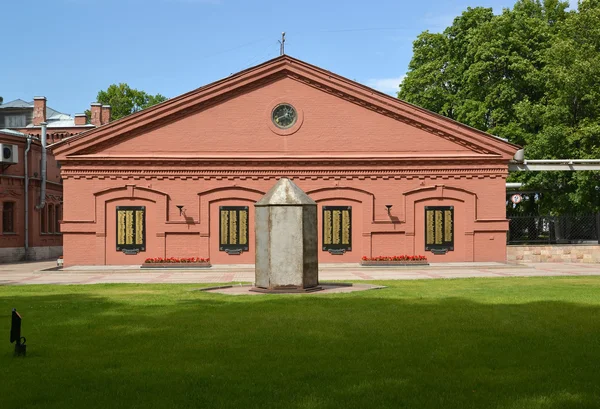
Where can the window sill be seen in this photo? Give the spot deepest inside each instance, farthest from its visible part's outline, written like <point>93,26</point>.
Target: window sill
<point>8,233</point>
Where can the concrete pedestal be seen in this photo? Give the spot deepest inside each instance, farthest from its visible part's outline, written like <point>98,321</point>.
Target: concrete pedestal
<point>286,240</point>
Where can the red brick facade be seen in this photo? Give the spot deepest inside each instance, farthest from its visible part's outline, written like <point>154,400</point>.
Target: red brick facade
<point>45,240</point>
<point>218,146</point>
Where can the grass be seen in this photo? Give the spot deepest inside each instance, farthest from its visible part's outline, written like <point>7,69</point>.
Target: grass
<point>475,343</point>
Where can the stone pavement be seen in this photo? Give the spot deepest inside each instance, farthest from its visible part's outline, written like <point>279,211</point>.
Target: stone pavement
<point>37,273</point>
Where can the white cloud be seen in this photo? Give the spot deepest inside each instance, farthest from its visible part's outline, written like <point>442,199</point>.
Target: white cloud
<point>387,85</point>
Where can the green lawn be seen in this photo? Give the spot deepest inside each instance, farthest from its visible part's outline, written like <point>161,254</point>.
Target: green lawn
<point>473,343</point>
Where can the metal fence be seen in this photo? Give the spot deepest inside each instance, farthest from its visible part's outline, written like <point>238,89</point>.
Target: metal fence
<point>564,229</point>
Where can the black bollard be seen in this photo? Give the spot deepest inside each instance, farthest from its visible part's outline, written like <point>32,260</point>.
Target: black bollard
<point>15,334</point>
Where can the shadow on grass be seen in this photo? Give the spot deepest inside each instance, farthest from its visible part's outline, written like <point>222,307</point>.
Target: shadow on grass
<point>179,348</point>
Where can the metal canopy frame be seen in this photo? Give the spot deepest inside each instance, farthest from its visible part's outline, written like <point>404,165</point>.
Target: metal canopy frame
<point>538,165</point>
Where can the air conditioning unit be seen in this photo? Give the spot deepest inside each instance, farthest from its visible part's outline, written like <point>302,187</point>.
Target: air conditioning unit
<point>9,154</point>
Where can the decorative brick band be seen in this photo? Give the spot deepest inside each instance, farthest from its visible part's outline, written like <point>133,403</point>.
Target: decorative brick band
<point>277,176</point>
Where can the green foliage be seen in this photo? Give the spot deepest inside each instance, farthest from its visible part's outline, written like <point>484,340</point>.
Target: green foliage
<point>125,100</point>
<point>511,343</point>
<point>1,100</point>
<point>530,74</point>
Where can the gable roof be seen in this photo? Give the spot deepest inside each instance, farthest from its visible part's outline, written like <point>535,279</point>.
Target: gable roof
<point>19,103</point>
<point>286,66</point>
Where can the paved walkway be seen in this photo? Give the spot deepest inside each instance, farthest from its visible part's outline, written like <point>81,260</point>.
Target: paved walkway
<point>37,273</point>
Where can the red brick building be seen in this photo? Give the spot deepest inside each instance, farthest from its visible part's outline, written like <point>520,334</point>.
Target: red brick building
<point>26,117</point>
<point>29,228</point>
<point>180,179</point>
<point>38,238</point>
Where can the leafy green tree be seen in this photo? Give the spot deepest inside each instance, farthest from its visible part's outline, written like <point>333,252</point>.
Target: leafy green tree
<point>569,112</point>
<point>436,70</point>
<point>1,100</point>
<point>530,74</point>
<point>125,100</point>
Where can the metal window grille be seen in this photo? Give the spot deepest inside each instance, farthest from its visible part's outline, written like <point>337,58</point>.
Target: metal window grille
<point>233,229</point>
<point>131,229</point>
<point>337,229</point>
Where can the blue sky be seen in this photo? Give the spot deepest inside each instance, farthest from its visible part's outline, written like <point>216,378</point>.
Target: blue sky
<point>68,50</point>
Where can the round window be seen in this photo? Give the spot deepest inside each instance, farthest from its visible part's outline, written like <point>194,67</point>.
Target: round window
<point>284,116</point>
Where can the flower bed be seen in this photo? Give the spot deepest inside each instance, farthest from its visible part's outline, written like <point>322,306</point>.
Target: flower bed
<point>174,262</point>
<point>394,261</point>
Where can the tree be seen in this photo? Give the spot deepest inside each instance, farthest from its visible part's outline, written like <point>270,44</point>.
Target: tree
<point>1,100</point>
<point>436,70</point>
<point>569,112</point>
<point>530,74</point>
<point>125,100</point>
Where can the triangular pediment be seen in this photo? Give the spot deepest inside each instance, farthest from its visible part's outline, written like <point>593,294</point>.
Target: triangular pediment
<point>337,118</point>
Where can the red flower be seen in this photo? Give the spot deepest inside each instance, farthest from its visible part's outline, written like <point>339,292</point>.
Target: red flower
<point>395,258</point>
<point>173,260</point>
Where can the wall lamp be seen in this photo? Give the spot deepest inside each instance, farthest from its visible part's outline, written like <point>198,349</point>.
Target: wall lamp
<point>180,207</point>
<point>389,207</point>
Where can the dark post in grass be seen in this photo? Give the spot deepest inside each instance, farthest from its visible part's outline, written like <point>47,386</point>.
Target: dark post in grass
<point>15,334</point>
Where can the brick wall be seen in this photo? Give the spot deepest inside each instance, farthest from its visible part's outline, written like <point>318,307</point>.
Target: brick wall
<point>342,151</point>
<point>17,254</point>
<point>573,253</point>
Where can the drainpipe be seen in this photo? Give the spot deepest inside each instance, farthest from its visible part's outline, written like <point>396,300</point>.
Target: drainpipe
<point>27,197</point>
<point>43,170</point>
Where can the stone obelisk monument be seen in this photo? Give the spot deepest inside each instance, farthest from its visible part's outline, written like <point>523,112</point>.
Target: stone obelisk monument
<point>286,240</point>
